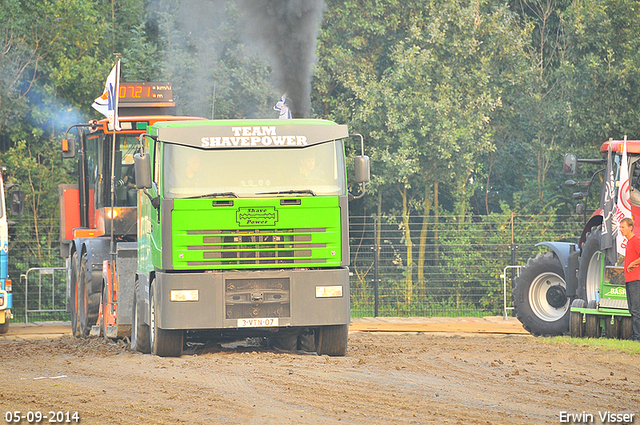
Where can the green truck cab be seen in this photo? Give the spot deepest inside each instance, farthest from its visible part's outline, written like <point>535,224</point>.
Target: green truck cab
<point>243,230</point>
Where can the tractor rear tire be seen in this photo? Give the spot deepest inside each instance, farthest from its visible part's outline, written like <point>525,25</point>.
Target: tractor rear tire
<point>592,323</point>
<point>139,329</point>
<point>332,340</point>
<point>164,342</point>
<point>576,323</point>
<point>626,328</point>
<point>4,328</point>
<point>590,266</point>
<point>611,330</point>
<point>539,297</point>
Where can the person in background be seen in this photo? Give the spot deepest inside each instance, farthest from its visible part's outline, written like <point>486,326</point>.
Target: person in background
<point>632,274</point>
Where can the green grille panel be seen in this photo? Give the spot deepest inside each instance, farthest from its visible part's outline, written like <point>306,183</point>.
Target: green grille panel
<point>212,237</point>
<point>281,246</point>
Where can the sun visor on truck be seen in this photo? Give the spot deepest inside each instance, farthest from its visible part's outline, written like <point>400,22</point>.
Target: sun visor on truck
<point>248,134</point>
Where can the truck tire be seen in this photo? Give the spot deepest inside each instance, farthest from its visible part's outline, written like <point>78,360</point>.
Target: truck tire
<point>164,342</point>
<point>73,275</point>
<point>88,304</point>
<point>611,330</point>
<point>626,328</point>
<point>539,297</point>
<point>592,322</point>
<point>307,341</point>
<point>4,328</point>
<point>332,340</point>
<point>589,269</point>
<point>286,342</point>
<point>139,329</point>
<point>576,324</point>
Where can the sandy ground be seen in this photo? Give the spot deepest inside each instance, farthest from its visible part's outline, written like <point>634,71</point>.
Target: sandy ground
<point>431,376</point>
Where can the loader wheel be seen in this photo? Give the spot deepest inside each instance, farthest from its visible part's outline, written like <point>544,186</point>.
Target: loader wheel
<point>592,322</point>
<point>73,275</point>
<point>576,325</point>
<point>88,304</point>
<point>590,267</point>
<point>164,342</point>
<point>611,330</point>
<point>540,296</point>
<point>626,328</point>
<point>139,329</point>
<point>4,328</point>
<point>105,305</point>
<point>332,340</point>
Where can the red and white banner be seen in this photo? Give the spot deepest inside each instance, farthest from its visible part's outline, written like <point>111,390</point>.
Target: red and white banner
<point>623,207</point>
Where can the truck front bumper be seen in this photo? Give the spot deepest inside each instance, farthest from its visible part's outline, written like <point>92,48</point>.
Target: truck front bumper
<point>237,299</point>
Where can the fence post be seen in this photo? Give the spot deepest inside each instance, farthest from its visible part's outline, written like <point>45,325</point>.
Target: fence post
<point>375,266</point>
<point>513,248</point>
<point>26,291</point>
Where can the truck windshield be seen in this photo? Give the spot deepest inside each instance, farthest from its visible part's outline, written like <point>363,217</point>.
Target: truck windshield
<point>315,170</point>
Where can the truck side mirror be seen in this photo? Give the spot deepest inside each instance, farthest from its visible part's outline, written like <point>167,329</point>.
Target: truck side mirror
<point>142,167</point>
<point>362,169</point>
<point>17,202</point>
<point>68,148</point>
<point>570,164</point>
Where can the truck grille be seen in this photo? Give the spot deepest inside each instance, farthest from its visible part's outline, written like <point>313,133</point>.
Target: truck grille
<point>259,246</point>
<point>257,298</point>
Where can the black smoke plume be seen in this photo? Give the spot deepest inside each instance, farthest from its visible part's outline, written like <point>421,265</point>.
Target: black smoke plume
<point>287,30</point>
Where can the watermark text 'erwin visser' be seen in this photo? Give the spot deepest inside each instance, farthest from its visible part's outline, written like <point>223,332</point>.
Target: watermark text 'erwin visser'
<point>605,417</point>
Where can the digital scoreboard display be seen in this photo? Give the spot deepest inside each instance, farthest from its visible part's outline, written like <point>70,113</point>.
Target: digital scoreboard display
<point>154,92</point>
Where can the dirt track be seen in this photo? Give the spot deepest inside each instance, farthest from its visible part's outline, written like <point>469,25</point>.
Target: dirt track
<point>465,378</point>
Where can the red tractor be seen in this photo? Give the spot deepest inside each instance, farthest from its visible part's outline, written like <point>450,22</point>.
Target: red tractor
<point>569,278</point>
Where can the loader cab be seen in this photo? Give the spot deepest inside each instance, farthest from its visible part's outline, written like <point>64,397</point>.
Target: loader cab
<point>90,208</point>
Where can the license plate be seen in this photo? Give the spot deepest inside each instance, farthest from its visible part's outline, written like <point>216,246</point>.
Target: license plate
<point>257,323</point>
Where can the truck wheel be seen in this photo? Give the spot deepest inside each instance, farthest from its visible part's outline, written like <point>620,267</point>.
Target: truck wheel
<point>611,330</point>
<point>73,275</point>
<point>332,340</point>
<point>139,330</point>
<point>626,328</point>
<point>589,270</point>
<point>576,325</point>
<point>88,304</point>
<point>592,322</point>
<point>307,341</point>
<point>540,296</point>
<point>164,342</point>
<point>286,342</point>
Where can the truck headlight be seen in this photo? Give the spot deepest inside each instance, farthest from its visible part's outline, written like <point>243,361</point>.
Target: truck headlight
<point>328,291</point>
<point>184,295</point>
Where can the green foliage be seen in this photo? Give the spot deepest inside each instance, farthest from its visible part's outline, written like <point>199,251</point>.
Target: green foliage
<point>466,109</point>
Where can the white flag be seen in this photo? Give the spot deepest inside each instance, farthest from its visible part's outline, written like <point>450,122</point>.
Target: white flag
<point>623,207</point>
<point>107,103</point>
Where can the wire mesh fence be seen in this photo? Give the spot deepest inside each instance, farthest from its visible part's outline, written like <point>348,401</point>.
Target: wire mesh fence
<point>419,266</point>
<point>443,266</point>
